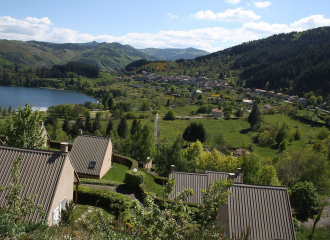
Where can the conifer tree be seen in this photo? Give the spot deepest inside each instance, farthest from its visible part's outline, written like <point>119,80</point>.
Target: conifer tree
<point>255,116</point>
<point>122,128</point>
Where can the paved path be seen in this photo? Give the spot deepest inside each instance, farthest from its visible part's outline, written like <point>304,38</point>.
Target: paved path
<point>324,221</point>
<point>155,129</point>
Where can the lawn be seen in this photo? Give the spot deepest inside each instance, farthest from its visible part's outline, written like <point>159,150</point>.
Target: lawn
<point>151,186</point>
<point>116,173</point>
<point>79,210</point>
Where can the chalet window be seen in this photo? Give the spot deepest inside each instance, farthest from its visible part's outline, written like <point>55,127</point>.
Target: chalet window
<point>56,216</point>
<point>62,204</point>
<point>92,165</point>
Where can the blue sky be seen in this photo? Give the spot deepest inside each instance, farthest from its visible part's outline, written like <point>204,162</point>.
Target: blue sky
<point>211,25</point>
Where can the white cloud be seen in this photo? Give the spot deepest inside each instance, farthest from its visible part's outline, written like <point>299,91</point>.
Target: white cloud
<point>230,15</point>
<point>262,4</point>
<point>312,21</point>
<point>233,1</point>
<point>209,39</point>
<point>26,27</point>
<point>172,16</point>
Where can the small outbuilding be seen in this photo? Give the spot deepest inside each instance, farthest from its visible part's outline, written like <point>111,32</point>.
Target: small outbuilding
<point>216,112</point>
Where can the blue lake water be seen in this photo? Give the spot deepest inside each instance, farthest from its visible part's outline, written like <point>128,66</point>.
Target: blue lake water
<point>39,98</point>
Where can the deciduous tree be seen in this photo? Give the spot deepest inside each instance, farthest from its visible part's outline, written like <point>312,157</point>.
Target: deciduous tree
<point>24,129</point>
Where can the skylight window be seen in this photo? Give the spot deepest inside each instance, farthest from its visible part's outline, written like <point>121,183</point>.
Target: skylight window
<point>92,165</point>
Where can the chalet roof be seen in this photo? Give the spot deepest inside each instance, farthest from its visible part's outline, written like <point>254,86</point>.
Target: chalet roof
<point>197,182</point>
<point>217,110</point>
<point>39,171</point>
<point>87,149</point>
<point>265,209</point>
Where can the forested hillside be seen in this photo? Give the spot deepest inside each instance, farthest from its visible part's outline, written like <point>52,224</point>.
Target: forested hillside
<point>106,56</point>
<point>174,54</point>
<point>293,63</point>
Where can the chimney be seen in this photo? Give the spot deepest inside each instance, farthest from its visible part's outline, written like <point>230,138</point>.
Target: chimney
<point>172,168</point>
<point>64,147</point>
<point>231,176</point>
<point>80,132</point>
<point>239,170</point>
<point>41,124</point>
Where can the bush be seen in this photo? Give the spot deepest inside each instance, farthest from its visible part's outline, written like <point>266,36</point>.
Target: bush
<point>110,201</point>
<point>134,179</point>
<point>322,133</point>
<point>169,116</point>
<point>102,182</point>
<point>202,109</point>
<point>130,115</point>
<point>160,180</point>
<point>127,161</point>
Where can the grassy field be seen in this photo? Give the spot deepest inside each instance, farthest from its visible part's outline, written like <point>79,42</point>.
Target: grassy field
<point>236,131</point>
<point>116,173</point>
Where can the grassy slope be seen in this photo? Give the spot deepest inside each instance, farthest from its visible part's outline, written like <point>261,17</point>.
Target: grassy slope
<point>116,173</point>
<point>236,131</point>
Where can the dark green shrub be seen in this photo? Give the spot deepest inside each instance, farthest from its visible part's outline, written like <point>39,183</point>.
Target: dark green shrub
<point>130,115</point>
<point>169,116</point>
<point>127,161</point>
<point>103,182</point>
<point>160,180</point>
<point>134,179</point>
<point>110,201</point>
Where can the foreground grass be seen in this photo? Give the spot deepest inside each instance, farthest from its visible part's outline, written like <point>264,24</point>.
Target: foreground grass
<point>116,173</point>
<point>319,234</point>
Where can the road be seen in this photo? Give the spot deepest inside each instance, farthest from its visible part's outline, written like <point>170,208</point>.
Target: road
<point>155,130</point>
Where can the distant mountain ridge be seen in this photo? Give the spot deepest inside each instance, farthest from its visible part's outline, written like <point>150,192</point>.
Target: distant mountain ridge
<point>106,56</point>
<point>173,53</point>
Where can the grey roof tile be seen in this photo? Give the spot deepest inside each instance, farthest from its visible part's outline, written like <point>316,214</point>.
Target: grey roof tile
<point>39,173</point>
<point>88,148</point>
<point>265,209</point>
<point>197,182</point>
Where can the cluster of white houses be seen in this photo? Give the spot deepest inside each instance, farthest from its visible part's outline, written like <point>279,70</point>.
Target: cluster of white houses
<point>50,175</point>
<point>206,86</point>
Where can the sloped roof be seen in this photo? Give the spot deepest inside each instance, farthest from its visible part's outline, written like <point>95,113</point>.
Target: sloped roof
<point>39,172</point>
<point>265,209</point>
<point>197,182</point>
<point>88,149</point>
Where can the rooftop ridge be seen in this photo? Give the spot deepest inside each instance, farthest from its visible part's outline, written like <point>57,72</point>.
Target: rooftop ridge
<point>33,150</point>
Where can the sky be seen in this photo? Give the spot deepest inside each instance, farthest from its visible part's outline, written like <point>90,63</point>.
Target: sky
<point>211,25</point>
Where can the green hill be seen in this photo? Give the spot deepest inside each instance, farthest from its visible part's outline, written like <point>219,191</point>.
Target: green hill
<point>293,63</point>
<point>106,56</point>
<point>174,54</point>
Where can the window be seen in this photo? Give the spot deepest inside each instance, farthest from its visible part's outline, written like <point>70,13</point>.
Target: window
<point>56,216</point>
<point>62,204</point>
<point>92,165</point>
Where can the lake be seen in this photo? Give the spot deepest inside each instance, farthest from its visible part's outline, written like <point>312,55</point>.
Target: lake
<point>39,98</point>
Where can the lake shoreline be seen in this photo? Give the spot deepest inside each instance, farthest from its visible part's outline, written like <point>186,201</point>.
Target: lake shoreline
<point>40,97</point>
